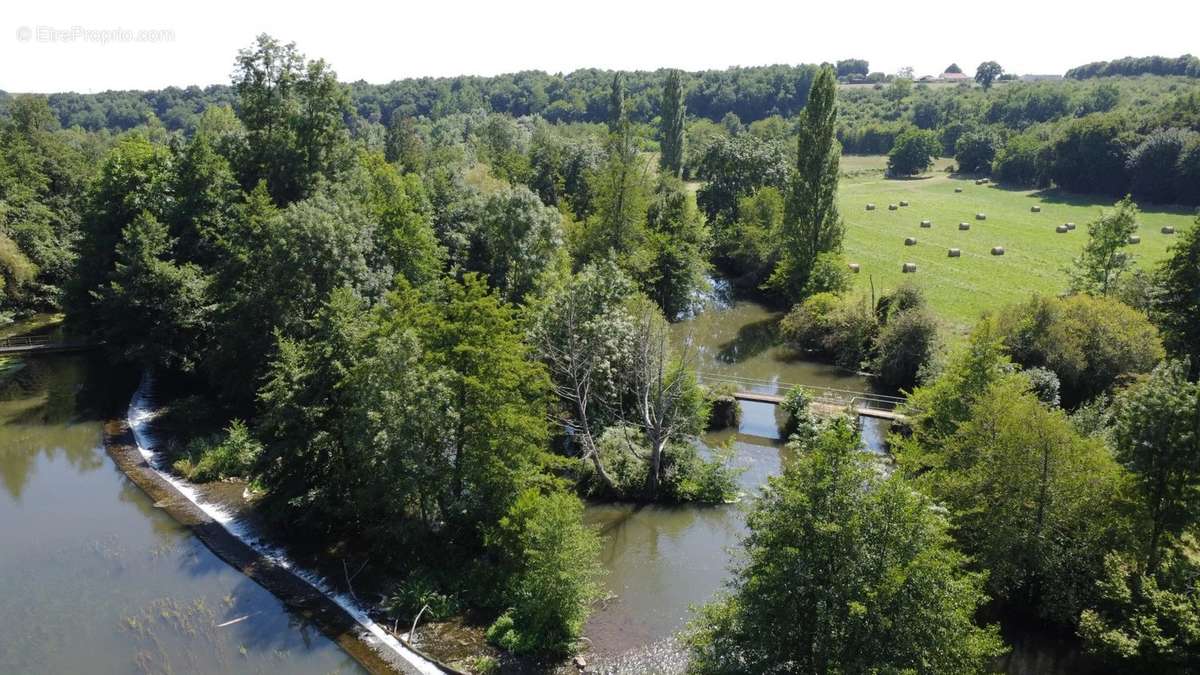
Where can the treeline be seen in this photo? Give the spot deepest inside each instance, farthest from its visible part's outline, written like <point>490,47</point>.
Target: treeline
<point>1132,66</point>
<point>749,93</point>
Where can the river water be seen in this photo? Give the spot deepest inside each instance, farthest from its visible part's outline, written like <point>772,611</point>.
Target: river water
<point>93,577</point>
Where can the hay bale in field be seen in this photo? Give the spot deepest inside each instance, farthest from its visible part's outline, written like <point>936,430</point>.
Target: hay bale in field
<point>892,207</point>
<point>1134,239</point>
<point>1035,209</point>
<point>909,268</point>
<point>927,224</point>
<point>958,189</point>
<point>903,202</point>
<point>870,207</point>
<point>1061,229</point>
<point>1070,226</point>
<point>964,226</point>
<point>980,216</point>
<point>997,250</point>
<point>1167,229</point>
<point>854,267</point>
<point>954,253</point>
<point>910,241</point>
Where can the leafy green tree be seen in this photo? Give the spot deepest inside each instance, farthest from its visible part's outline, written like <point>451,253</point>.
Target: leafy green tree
<point>206,199</point>
<point>557,567</point>
<point>1090,343</point>
<point>751,240</point>
<point>953,68</point>
<point>403,145</point>
<point>157,313</point>
<point>1156,436</point>
<point>733,168</point>
<point>618,114</point>
<point>1177,305</point>
<point>913,152</point>
<point>905,347</point>
<point>987,72</point>
<point>1105,259</point>
<point>671,132</point>
<point>621,190</point>
<point>845,572</point>
<point>1090,154</point>
<point>1034,502</point>
<point>678,245</point>
<point>975,151</point>
<point>811,224</point>
<point>522,242</point>
<point>293,110</point>
<point>403,215</point>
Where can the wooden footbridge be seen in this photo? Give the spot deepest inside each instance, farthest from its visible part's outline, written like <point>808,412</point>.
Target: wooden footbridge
<point>42,344</point>
<point>824,399</point>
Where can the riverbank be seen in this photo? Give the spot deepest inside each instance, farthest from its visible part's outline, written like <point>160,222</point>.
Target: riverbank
<point>127,443</point>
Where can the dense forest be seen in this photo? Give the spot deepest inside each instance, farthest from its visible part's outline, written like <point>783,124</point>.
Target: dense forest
<point>425,319</point>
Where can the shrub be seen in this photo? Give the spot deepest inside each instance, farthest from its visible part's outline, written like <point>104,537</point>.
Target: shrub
<point>723,409</point>
<point>806,326</point>
<point>1044,384</point>
<point>904,348</point>
<point>975,151</point>
<point>231,454</point>
<point>418,591</point>
<point>799,424</point>
<point>554,563</point>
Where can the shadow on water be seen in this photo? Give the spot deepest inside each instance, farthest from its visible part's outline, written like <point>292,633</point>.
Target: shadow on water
<point>752,339</point>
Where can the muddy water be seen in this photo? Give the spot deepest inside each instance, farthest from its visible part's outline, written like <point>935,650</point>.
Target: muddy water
<point>94,578</point>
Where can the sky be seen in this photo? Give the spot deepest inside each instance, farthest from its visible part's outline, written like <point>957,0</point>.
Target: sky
<point>90,46</point>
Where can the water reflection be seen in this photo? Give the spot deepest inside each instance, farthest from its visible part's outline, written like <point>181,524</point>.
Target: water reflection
<point>93,578</point>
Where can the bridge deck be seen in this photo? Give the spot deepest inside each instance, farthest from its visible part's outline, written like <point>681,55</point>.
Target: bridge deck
<point>824,407</point>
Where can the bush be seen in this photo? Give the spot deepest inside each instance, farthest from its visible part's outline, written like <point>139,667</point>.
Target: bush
<point>418,591</point>
<point>723,409</point>
<point>799,424</point>
<point>807,325</point>
<point>905,347</point>
<point>1018,162</point>
<point>913,152</point>
<point>685,476</point>
<point>975,151</point>
<point>554,562</point>
<point>231,454</point>
<point>1044,384</point>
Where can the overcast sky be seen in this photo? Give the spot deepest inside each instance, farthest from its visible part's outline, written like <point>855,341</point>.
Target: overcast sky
<point>73,45</point>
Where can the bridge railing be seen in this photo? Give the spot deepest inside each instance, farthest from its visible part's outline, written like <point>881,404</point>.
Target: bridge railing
<point>827,395</point>
<point>25,341</point>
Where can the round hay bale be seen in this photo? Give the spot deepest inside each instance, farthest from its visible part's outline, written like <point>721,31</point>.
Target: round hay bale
<point>1134,239</point>
<point>954,253</point>
<point>910,241</point>
<point>1167,229</point>
<point>903,202</point>
<point>964,226</point>
<point>892,207</point>
<point>927,224</point>
<point>854,267</point>
<point>980,216</point>
<point>870,207</point>
<point>1035,209</point>
<point>1061,229</point>
<point>909,268</point>
<point>997,250</point>
<point>958,189</point>
<point>1070,226</point>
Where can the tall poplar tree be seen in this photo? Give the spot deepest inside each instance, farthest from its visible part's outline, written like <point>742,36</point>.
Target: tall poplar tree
<point>617,115</point>
<point>672,114</point>
<point>811,223</point>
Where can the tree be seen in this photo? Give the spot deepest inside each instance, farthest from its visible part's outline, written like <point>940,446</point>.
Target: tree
<point>913,152</point>
<point>293,112</point>
<point>621,189</point>
<point>401,208</point>
<point>1104,259</point>
<point>1157,437</point>
<point>672,119</point>
<point>522,242</point>
<point>678,245</point>
<point>1032,501</point>
<point>1091,343</point>
<point>1177,304</point>
<point>953,68</point>
<point>403,145</point>
<point>157,312</point>
<point>845,571</point>
<point>987,72</point>
<point>811,224</point>
<point>848,67</point>
<point>1090,155</point>
<point>905,346</point>
<point>618,115</point>
<point>668,404</point>
<point>734,168</point>
<point>975,151</point>
<point>1153,165</point>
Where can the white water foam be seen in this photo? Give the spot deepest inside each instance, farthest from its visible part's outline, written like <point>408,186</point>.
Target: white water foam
<point>141,413</point>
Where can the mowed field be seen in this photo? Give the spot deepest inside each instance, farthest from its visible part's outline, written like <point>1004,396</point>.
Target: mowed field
<point>959,289</point>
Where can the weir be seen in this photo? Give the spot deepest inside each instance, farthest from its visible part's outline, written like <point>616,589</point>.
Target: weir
<point>824,399</point>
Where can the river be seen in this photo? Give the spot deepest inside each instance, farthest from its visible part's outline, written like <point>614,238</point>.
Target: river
<point>95,579</point>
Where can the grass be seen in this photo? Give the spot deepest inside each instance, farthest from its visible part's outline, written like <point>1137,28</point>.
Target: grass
<point>960,289</point>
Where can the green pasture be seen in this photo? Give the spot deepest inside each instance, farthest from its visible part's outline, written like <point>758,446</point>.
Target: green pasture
<point>959,289</point>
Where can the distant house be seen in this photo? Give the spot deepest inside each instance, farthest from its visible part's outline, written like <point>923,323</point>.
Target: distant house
<point>954,77</point>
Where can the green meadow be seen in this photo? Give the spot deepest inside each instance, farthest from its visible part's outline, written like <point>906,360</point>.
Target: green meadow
<point>959,289</point>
